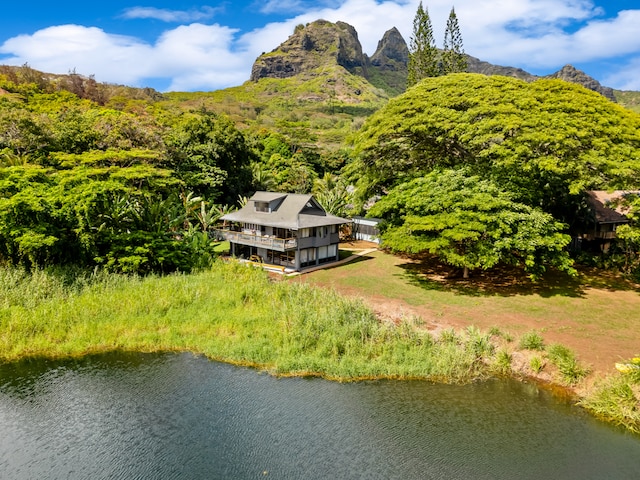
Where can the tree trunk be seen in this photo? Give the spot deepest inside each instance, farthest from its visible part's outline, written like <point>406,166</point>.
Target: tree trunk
<point>465,272</point>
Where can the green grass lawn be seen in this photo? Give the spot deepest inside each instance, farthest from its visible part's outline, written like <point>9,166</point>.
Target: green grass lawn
<point>595,307</point>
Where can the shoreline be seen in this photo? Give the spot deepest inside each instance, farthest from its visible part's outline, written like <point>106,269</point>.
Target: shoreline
<point>240,316</point>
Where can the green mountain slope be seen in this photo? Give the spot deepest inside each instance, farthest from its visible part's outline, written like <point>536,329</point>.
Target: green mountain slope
<point>319,107</point>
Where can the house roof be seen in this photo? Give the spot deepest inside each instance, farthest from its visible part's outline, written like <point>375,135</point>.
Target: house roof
<point>287,210</point>
<point>606,207</point>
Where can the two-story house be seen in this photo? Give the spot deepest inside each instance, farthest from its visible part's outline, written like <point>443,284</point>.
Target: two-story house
<point>291,230</point>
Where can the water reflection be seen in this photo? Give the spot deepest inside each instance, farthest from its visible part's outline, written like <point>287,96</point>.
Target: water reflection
<point>179,416</point>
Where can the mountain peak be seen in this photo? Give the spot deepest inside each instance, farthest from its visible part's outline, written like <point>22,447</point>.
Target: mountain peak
<point>569,73</point>
<point>317,44</point>
<point>391,47</point>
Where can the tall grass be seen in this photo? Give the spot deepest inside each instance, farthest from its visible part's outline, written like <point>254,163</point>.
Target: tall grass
<point>236,314</point>
<point>531,341</point>
<point>565,360</point>
<point>614,400</point>
<point>231,313</point>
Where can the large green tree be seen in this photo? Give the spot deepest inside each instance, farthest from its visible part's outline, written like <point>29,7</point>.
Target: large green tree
<point>453,59</point>
<point>470,223</point>
<point>210,155</point>
<point>423,54</point>
<point>545,141</point>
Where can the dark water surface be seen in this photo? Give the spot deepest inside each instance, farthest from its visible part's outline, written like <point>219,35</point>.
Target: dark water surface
<point>135,416</point>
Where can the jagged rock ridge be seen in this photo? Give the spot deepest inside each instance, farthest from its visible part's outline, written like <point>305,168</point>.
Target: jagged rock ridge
<point>321,42</point>
<point>311,47</point>
<point>392,51</point>
<point>570,74</point>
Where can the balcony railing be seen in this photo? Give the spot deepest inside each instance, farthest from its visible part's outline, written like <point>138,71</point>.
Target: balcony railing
<point>255,240</point>
<point>600,236</point>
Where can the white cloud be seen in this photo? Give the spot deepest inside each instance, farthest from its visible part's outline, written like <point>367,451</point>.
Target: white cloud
<point>189,55</point>
<point>170,16</point>
<point>625,77</point>
<point>88,50</point>
<point>287,7</point>
<point>532,34</point>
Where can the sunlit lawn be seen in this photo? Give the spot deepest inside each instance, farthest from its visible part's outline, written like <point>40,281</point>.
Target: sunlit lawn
<point>594,306</point>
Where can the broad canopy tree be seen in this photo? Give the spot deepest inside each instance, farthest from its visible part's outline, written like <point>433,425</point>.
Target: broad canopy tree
<point>546,142</point>
<point>210,155</point>
<point>470,223</point>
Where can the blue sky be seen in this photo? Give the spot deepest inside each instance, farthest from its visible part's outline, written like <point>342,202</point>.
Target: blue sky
<point>186,46</point>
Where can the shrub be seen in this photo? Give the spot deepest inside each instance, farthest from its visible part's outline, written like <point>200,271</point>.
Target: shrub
<point>531,341</point>
<point>536,364</point>
<point>478,343</point>
<point>449,336</point>
<point>502,362</point>
<point>613,400</point>
<point>563,358</point>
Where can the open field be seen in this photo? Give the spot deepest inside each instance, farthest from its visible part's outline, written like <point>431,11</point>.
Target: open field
<point>597,315</point>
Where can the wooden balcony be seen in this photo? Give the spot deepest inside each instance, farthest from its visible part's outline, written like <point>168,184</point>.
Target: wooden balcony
<point>254,240</point>
<point>600,236</point>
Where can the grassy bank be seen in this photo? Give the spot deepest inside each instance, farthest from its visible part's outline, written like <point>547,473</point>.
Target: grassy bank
<point>235,314</point>
<point>230,313</point>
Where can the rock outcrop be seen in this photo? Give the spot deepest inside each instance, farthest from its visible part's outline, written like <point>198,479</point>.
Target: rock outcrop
<point>388,65</point>
<point>310,47</point>
<point>392,52</point>
<point>475,65</point>
<point>569,73</point>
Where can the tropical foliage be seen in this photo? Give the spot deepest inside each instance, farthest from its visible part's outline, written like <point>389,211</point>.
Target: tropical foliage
<point>86,184</point>
<point>545,142</point>
<point>470,223</point>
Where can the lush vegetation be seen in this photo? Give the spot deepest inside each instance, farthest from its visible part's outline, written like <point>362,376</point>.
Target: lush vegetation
<point>545,142</point>
<point>284,327</point>
<point>470,223</point>
<point>231,313</point>
<point>480,171</point>
<point>93,176</point>
<point>425,60</point>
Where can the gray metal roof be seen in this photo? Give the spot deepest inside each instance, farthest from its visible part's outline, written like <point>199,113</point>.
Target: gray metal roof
<point>294,211</point>
<point>267,196</point>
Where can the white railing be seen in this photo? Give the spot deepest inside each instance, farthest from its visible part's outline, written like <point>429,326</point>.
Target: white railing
<point>255,240</point>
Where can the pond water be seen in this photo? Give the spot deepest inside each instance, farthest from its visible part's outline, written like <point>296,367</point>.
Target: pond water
<point>137,416</point>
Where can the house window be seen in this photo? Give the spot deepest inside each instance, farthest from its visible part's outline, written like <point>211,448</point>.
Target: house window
<point>307,257</point>
<point>262,207</point>
<point>253,229</point>
<point>322,232</point>
<point>327,253</point>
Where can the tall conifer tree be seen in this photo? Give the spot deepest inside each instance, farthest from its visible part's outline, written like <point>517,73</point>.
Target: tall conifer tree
<point>453,58</point>
<point>423,54</point>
